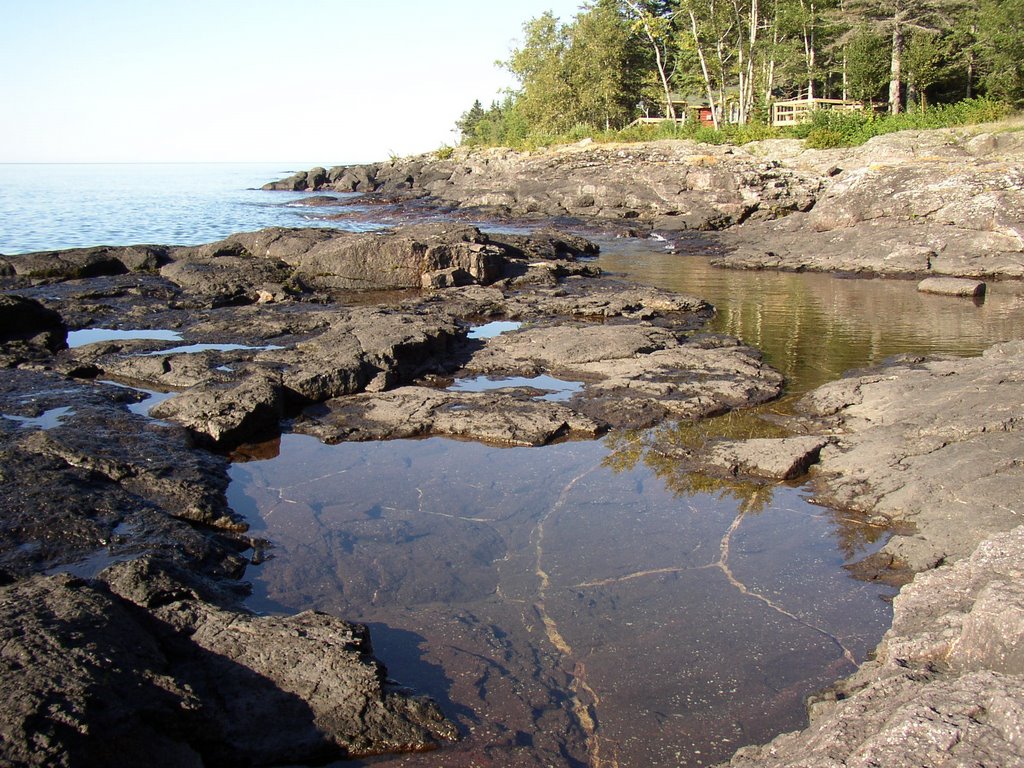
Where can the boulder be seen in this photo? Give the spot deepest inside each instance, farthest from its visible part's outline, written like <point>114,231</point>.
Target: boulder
<point>952,286</point>
<point>78,263</point>
<point>297,182</point>
<point>28,321</point>
<point>240,266</point>
<point>784,458</point>
<point>242,410</point>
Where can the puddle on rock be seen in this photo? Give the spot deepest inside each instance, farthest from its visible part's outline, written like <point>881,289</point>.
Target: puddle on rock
<point>94,335</point>
<point>557,389</point>
<point>490,330</point>
<point>142,407</point>
<point>46,420</point>
<point>564,605</point>
<point>189,349</point>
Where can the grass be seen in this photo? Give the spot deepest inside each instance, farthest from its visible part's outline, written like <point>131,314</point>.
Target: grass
<point>826,129</point>
<point>850,129</point>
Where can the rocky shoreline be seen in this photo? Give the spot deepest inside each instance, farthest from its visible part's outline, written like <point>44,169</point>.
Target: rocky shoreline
<point>913,204</point>
<point>120,554</point>
<point>120,557</point>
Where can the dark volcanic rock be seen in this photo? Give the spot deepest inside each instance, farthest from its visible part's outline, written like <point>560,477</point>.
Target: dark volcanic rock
<point>505,419</point>
<point>137,509</point>
<point>89,262</point>
<point>85,480</point>
<point>944,202</point>
<point>244,409</point>
<point>326,259</point>
<point>160,660</point>
<point>26,320</point>
<point>106,680</point>
<point>681,184</point>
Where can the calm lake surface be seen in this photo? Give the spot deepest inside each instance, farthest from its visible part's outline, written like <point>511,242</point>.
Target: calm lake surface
<point>581,604</point>
<point>44,207</point>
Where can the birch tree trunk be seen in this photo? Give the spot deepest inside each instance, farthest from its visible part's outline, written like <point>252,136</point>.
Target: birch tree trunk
<point>896,66</point>
<point>695,31</point>
<point>645,20</point>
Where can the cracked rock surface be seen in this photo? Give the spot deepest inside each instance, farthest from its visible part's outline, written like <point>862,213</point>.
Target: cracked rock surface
<point>912,203</point>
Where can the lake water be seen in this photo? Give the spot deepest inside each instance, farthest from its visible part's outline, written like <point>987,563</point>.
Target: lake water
<point>581,604</point>
<point>45,207</point>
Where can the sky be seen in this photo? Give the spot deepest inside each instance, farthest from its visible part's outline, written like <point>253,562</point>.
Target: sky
<point>321,81</point>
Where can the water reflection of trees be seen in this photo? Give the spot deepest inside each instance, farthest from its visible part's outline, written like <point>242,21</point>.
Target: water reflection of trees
<point>814,327</point>
<point>673,452</point>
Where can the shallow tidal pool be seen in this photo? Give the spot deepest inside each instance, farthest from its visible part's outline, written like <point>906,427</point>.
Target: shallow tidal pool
<point>589,603</point>
<point>568,605</point>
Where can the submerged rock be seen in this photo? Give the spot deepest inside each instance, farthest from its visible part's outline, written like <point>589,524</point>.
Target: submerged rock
<point>945,686</point>
<point>137,642</point>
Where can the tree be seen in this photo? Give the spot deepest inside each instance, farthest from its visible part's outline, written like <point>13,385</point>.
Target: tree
<point>603,67</point>
<point>545,98</point>
<point>654,19</point>
<point>1000,49</point>
<point>470,119</point>
<point>925,65</point>
<point>896,19</point>
<point>867,65</point>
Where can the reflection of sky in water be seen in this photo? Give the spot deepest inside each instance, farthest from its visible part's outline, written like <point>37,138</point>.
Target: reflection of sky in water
<point>93,335</point>
<point>559,389</point>
<point>46,420</point>
<point>490,330</point>
<point>701,619</point>
<point>189,349</point>
<point>143,406</point>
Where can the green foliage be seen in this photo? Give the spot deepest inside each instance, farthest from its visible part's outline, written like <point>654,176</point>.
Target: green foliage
<point>867,68</point>
<point>1000,49</point>
<point>616,59</point>
<point>444,152</point>
<point>828,129</point>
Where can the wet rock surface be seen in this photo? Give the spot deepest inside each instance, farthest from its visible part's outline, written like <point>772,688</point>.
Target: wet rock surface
<point>117,540</point>
<point>945,686</point>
